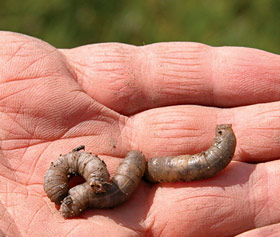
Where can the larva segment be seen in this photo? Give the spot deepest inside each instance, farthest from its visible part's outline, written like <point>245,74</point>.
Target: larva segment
<point>195,167</point>
<point>130,172</point>
<point>122,186</point>
<point>75,163</point>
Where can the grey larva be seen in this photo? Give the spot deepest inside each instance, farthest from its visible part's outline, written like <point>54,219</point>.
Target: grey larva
<point>98,192</point>
<point>195,167</point>
<point>75,163</point>
<point>121,187</point>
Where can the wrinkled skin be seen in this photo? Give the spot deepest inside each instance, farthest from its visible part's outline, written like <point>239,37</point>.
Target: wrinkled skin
<point>114,98</point>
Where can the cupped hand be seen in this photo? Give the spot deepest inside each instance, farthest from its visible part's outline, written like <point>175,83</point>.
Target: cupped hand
<point>162,99</point>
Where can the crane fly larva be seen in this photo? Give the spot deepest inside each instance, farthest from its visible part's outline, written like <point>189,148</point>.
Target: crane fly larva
<point>121,187</point>
<point>100,192</point>
<point>97,191</point>
<point>91,167</point>
<point>195,167</point>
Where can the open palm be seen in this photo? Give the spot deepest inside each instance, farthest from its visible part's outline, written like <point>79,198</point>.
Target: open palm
<point>113,98</point>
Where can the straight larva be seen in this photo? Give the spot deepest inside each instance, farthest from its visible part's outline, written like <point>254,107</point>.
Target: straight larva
<point>75,163</point>
<point>121,187</point>
<point>195,167</point>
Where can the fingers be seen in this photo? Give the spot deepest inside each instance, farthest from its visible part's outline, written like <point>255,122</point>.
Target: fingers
<point>45,103</point>
<point>186,129</point>
<point>241,198</point>
<point>271,230</point>
<point>130,79</point>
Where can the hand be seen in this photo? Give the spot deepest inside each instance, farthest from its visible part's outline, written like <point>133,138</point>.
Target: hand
<point>162,99</point>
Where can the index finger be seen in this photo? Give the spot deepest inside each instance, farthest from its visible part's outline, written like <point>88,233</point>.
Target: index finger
<point>129,79</point>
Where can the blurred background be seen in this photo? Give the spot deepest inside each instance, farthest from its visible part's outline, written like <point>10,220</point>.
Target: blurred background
<point>72,23</point>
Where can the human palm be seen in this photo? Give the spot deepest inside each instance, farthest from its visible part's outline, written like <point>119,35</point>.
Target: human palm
<point>113,98</point>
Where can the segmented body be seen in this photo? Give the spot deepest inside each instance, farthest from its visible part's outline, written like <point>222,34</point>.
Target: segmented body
<point>195,167</point>
<point>98,192</point>
<point>75,163</point>
<point>121,187</point>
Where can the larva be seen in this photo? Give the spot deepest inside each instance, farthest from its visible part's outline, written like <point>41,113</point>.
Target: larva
<point>195,167</point>
<point>121,187</point>
<point>75,163</point>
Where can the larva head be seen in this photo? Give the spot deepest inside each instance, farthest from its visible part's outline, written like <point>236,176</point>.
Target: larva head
<point>97,185</point>
<point>81,147</point>
<point>69,209</point>
<point>76,202</point>
<point>225,139</point>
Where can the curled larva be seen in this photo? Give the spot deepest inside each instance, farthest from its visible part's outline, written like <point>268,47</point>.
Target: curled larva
<point>195,167</point>
<point>75,163</point>
<point>121,187</point>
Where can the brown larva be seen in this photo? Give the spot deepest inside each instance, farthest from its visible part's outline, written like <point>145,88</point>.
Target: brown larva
<point>121,187</point>
<point>195,167</point>
<point>75,163</point>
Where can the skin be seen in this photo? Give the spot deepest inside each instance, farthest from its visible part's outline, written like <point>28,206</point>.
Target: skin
<point>163,99</point>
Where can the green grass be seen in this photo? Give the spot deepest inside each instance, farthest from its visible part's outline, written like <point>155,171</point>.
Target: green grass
<point>71,23</point>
